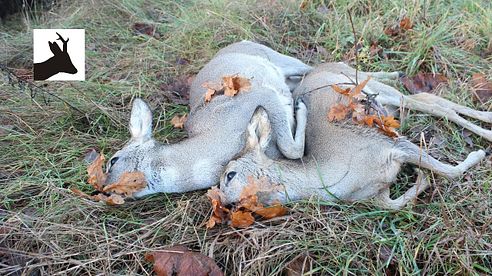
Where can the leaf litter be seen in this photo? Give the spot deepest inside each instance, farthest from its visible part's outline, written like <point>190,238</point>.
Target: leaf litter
<point>115,193</point>
<point>241,215</point>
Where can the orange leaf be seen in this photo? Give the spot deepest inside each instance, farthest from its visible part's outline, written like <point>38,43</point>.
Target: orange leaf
<point>178,120</point>
<point>178,260</point>
<point>338,112</point>
<point>241,219</point>
<point>276,210</point>
<point>79,193</point>
<point>220,214</point>
<point>390,121</point>
<point>406,24</point>
<point>340,90</point>
<point>234,84</point>
<point>369,120</point>
<point>115,199</point>
<point>211,89</point>
<point>209,94</point>
<point>97,177</point>
<point>358,89</point>
<point>128,183</point>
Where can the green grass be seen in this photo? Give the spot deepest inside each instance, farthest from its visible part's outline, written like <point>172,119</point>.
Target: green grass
<point>45,229</point>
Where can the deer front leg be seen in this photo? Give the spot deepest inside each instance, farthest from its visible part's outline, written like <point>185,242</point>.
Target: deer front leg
<point>290,144</point>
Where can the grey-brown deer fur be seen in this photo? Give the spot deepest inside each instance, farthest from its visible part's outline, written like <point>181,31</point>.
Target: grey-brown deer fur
<point>343,161</point>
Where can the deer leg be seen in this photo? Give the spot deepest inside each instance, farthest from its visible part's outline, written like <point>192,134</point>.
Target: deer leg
<point>383,76</point>
<point>439,108</point>
<point>419,157</point>
<point>470,112</point>
<point>436,106</point>
<point>384,200</point>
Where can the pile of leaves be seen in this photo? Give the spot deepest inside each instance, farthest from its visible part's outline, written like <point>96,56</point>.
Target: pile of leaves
<point>359,108</point>
<point>241,215</point>
<point>115,193</point>
<point>230,86</point>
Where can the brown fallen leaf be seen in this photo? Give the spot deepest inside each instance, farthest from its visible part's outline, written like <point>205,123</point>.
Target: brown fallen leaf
<point>340,90</point>
<point>482,88</point>
<point>179,260</point>
<point>387,125</point>
<point>241,216</point>
<point>273,211</point>
<point>234,84</point>
<point>338,112</point>
<point>112,199</point>
<point>423,82</point>
<point>406,23</point>
<point>220,214</point>
<point>356,92</point>
<point>178,121</point>
<point>175,91</point>
<point>97,177</point>
<point>241,219</point>
<point>127,184</point>
<point>212,88</point>
<point>144,28</point>
<point>300,265</point>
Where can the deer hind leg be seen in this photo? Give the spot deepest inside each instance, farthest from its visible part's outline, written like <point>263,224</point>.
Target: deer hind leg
<point>417,156</point>
<point>470,112</point>
<point>435,106</point>
<point>384,200</point>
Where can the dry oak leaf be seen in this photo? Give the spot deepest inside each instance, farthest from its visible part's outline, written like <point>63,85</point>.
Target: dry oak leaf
<point>112,199</point>
<point>482,88</point>
<point>338,112</point>
<point>211,89</point>
<point>273,211</point>
<point>235,84</point>
<point>128,184</point>
<point>178,121</point>
<point>387,125</point>
<point>340,90</point>
<point>423,82</point>
<point>97,177</point>
<point>356,92</point>
<point>220,214</point>
<point>241,219</point>
<point>178,260</point>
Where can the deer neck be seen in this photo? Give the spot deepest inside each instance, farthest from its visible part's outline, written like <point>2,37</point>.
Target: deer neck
<point>196,162</point>
<point>44,70</point>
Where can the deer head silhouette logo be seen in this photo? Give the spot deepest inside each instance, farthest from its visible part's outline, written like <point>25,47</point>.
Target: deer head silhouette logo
<point>59,62</point>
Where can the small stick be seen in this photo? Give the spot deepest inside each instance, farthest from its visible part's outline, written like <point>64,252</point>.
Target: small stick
<point>356,41</point>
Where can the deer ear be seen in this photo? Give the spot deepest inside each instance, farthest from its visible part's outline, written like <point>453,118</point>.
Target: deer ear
<point>259,131</point>
<point>55,49</point>
<point>140,121</point>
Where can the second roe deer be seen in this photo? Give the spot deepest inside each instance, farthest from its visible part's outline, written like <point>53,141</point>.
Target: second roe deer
<point>343,161</point>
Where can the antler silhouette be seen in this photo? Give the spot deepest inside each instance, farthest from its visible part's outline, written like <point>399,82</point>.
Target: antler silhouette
<point>63,41</point>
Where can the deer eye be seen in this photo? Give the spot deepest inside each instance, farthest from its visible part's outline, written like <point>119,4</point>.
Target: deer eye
<point>113,161</point>
<point>230,175</point>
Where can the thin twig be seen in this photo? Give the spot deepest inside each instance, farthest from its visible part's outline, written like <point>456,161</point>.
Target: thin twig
<point>33,88</point>
<point>356,42</point>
